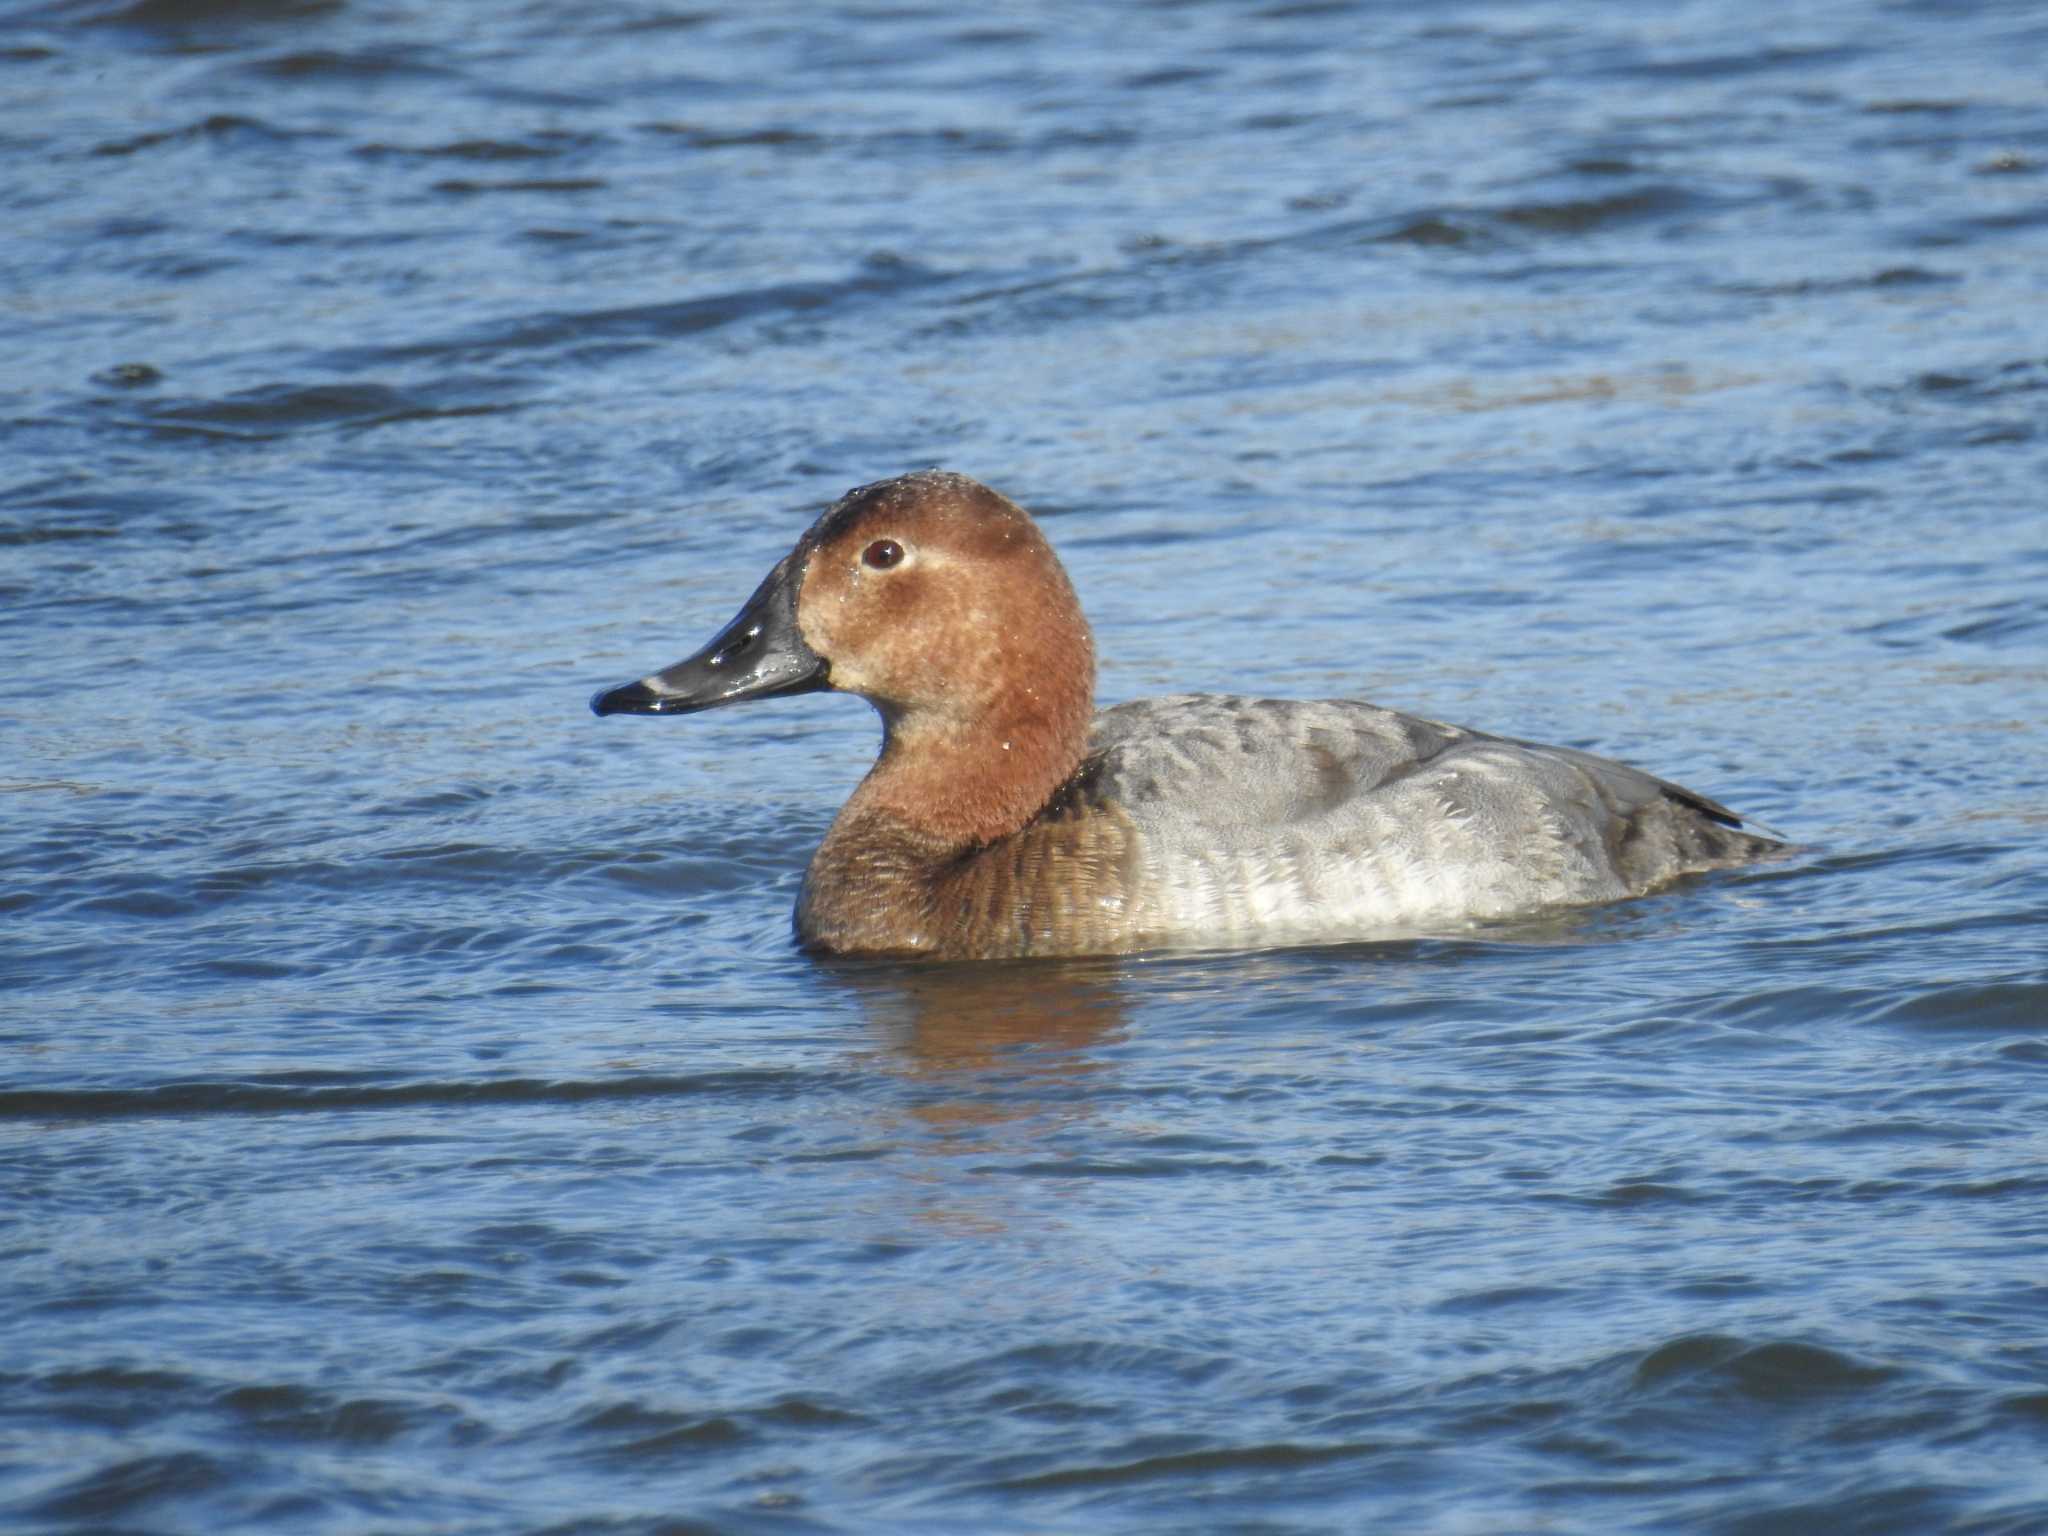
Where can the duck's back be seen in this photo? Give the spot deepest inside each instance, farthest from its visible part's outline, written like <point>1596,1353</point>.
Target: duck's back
<point>1261,820</point>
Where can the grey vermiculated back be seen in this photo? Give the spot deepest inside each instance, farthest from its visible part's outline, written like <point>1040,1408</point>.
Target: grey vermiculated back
<point>1335,817</point>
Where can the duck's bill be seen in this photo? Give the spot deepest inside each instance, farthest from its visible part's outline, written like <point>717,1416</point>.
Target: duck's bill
<point>759,655</point>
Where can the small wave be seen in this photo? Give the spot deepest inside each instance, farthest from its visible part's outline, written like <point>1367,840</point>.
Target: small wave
<point>635,1433</point>
<point>15,537</point>
<point>2017,1005</point>
<point>325,1096</point>
<point>1730,65</point>
<point>697,136</point>
<point>1776,1370</point>
<point>114,1490</point>
<point>464,186</point>
<point>270,412</point>
<point>631,1431</point>
<point>1583,216</point>
<point>541,146</point>
<point>647,325</point>
<point>1274,1456</point>
<point>1134,1168</point>
<point>291,1412</point>
<point>327,65</point>
<point>1884,278</point>
<point>1432,229</point>
<point>178,15</point>
<point>1974,386</point>
<point>219,127</point>
<point>1082,1359</point>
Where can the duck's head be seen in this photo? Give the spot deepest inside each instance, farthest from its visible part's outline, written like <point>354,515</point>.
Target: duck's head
<point>930,595</point>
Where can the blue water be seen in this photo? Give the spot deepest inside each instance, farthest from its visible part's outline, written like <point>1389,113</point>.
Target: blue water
<point>413,1114</point>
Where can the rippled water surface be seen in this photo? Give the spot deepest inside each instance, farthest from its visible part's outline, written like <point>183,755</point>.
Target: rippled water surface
<point>415,1117</point>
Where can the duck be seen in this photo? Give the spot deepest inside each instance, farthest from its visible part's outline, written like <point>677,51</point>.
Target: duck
<point>1006,818</point>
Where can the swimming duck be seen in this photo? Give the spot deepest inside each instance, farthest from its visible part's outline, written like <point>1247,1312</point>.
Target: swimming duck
<point>1004,817</point>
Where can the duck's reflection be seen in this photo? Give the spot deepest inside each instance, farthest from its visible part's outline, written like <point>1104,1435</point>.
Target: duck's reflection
<point>954,1023</point>
<point>994,1045</point>
<point>969,1016</point>
<point>997,1062</point>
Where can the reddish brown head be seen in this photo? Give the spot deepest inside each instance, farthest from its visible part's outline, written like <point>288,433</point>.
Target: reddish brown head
<point>938,600</point>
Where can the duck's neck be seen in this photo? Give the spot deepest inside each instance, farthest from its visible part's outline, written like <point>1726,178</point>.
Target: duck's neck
<point>963,784</point>
<point>939,791</point>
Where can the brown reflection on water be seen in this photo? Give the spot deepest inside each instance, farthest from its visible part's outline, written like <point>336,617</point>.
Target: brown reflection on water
<point>997,1063</point>
<point>1002,1040</point>
<point>967,1017</point>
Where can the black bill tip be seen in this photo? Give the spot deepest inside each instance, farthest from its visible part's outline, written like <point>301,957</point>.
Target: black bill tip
<point>630,699</point>
<point>761,654</point>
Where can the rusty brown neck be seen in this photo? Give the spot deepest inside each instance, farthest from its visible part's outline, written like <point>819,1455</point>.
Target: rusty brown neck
<point>940,790</point>
<point>959,784</point>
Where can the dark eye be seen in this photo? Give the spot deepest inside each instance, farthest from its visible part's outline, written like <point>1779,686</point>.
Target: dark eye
<point>881,554</point>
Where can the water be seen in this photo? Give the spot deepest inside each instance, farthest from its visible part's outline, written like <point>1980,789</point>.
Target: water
<point>414,1116</point>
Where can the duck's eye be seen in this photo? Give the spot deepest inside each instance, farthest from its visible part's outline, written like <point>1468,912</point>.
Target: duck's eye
<point>881,554</point>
